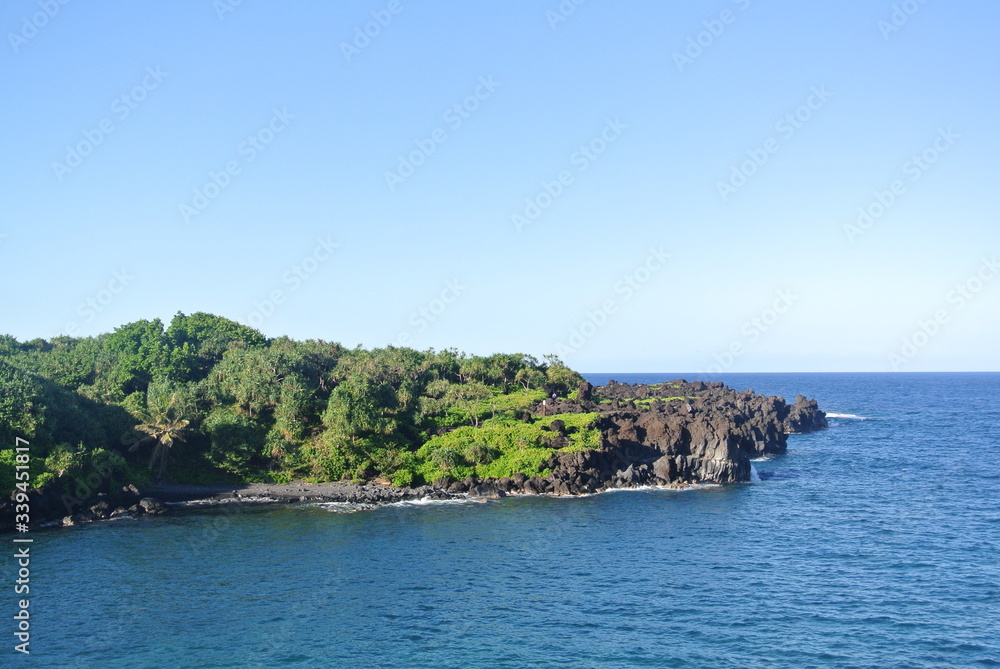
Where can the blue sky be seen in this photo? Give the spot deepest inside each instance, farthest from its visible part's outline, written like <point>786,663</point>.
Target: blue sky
<point>636,186</point>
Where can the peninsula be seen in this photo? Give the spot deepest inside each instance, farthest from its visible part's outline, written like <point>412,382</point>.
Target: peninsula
<point>206,407</point>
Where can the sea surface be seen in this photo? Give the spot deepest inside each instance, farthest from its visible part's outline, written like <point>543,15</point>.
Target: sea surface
<point>875,543</point>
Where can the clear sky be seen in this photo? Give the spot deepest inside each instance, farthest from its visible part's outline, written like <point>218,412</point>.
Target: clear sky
<point>637,185</point>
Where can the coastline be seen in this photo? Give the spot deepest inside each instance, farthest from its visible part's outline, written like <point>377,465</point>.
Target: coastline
<point>157,499</point>
<point>668,435</point>
<point>296,491</point>
<point>351,493</point>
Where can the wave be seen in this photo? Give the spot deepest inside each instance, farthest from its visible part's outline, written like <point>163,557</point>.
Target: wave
<point>653,488</point>
<point>430,501</point>
<point>851,416</point>
<point>464,498</point>
<point>218,501</point>
<point>341,507</point>
<point>754,476</point>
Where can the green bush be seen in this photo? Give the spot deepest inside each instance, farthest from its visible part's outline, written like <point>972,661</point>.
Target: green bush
<point>237,442</point>
<point>8,472</point>
<point>404,478</point>
<point>503,447</point>
<point>482,454</point>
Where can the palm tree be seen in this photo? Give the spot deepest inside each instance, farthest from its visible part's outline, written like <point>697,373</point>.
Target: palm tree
<point>164,421</point>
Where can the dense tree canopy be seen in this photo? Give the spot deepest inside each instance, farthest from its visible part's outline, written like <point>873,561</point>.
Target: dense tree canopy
<point>208,399</point>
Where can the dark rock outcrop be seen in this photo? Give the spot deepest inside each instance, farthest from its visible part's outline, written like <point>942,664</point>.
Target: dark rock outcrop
<point>674,433</point>
<point>152,506</point>
<point>488,490</point>
<point>66,501</point>
<point>804,416</point>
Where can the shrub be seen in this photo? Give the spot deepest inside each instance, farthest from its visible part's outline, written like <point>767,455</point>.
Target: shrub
<point>502,447</point>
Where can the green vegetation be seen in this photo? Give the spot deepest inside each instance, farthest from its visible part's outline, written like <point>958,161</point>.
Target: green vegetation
<point>503,446</point>
<point>206,399</point>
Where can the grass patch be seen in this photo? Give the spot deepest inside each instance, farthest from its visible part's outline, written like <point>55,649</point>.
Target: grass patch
<point>499,405</point>
<point>502,447</point>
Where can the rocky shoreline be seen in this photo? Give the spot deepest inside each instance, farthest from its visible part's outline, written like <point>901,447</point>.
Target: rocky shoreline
<point>667,435</point>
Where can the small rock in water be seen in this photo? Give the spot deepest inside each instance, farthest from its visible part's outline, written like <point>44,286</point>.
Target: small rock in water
<point>152,505</point>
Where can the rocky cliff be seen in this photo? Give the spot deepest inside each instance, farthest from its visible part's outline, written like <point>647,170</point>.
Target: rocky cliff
<point>674,433</point>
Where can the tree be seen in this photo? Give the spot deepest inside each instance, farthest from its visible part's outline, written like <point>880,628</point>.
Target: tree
<point>265,407</point>
<point>250,378</point>
<point>530,378</point>
<point>141,353</point>
<point>205,338</point>
<point>22,405</point>
<point>237,442</point>
<point>314,360</point>
<point>62,459</point>
<point>359,408</point>
<point>445,364</point>
<point>502,368</point>
<point>559,378</point>
<point>371,416</point>
<point>389,381</point>
<point>167,416</point>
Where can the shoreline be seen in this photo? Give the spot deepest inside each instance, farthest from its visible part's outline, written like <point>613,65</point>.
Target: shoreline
<point>349,493</point>
<point>367,496</point>
<point>296,491</point>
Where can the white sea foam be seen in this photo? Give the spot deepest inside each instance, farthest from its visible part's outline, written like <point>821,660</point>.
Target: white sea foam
<point>218,501</point>
<point>661,488</point>
<point>430,501</point>
<point>341,507</point>
<point>754,476</point>
<point>851,416</point>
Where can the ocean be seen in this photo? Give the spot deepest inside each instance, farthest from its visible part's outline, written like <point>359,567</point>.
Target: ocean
<point>874,543</point>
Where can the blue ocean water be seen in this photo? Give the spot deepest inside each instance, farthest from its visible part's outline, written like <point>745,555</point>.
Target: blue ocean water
<point>875,543</point>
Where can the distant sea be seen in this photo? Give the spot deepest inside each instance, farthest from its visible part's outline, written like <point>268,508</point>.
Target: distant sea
<point>875,543</point>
